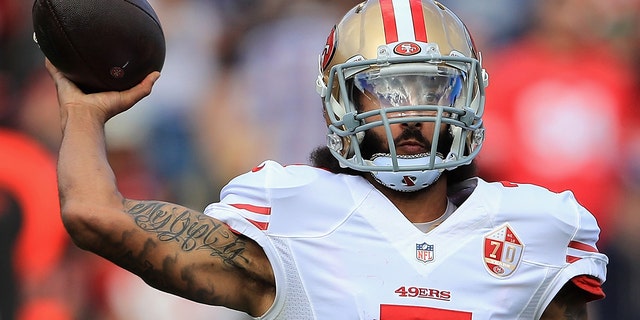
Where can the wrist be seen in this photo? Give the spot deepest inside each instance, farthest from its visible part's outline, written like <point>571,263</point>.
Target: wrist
<point>82,117</point>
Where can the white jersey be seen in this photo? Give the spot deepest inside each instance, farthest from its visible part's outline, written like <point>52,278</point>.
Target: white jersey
<point>341,250</point>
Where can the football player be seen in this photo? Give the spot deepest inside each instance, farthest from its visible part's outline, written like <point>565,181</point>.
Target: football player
<point>390,221</point>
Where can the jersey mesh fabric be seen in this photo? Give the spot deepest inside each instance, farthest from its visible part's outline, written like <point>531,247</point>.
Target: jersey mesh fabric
<point>297,306</point>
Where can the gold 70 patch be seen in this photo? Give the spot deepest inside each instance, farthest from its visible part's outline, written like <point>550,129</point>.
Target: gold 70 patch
<point>502,251</point>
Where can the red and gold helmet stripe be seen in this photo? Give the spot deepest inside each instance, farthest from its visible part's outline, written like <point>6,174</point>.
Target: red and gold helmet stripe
<point>403,30</point>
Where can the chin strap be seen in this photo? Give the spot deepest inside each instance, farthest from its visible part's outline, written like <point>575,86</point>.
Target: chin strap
<point>406,181</point>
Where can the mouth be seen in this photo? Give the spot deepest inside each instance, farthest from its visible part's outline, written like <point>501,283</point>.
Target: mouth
<point>410,147</point>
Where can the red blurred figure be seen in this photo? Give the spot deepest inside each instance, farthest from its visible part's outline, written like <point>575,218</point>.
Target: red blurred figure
<point>560,108</point>
<point>27,173</point>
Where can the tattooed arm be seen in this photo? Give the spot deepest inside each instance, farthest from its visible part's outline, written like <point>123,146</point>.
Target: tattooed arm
<point>187,253</point>
<point>170,247</point>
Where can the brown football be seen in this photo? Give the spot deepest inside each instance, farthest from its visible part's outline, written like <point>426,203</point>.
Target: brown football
<point>100,45</point>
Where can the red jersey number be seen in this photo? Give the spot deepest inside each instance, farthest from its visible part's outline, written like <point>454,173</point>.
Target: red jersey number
<point>395,312</point>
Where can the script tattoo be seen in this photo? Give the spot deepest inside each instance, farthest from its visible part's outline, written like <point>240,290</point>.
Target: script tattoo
<point>191,230</point>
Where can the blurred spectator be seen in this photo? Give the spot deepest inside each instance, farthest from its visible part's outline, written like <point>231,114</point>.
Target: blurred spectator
<point>267,97</point>
<point>239,17</point>
<point>618,21</point>
<point>623,274</point>
<point>27,176</point>
<point>37,112</point>
<point>7,16</point>
<point>6,107</point>
<point>559,108</point>
<point>10,221</point>
<point>494,22</point>
<point>17,54</point>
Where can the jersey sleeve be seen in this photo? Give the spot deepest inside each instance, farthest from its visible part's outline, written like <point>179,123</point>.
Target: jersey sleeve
<point>245,206</point>
<point>271,195</point>
<point>273,203</point>
<point>245,203</point>
<point>294,200</point>
<point>585,265</point>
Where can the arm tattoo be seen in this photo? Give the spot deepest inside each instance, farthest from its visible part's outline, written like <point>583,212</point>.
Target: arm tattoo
<point>190,229</point>
<point>173,231</point>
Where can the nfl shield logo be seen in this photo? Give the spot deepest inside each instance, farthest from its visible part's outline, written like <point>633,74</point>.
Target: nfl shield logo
<point>502,251</point>
<point>424,252</point>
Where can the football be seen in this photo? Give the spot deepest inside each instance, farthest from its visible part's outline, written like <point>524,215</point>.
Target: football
<point>100,45</point>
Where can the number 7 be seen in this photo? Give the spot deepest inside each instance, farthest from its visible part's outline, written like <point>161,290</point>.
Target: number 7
<point>397,312</point>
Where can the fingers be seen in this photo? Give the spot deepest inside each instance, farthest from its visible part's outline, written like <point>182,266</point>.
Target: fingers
<point>66,90</point>
<point>55,74</point>
<point>52,69</point>
<point>143,89</point>
<point>139,91</point>
<point>107,104</point>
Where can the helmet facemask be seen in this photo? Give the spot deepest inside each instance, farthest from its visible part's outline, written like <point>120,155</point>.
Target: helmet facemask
<point>427,88</point>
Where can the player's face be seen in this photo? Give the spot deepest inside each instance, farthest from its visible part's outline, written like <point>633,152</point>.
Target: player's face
<point>409,137</point>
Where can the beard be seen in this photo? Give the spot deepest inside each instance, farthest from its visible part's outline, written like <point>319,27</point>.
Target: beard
<point>321,157</point>
<point>373,143</point>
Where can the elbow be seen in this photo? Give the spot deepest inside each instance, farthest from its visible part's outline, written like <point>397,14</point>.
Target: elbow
<point>89,220</point>
<point>80,224</point>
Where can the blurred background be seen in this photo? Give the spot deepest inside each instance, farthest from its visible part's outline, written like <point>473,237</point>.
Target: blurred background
<point>238,87</point>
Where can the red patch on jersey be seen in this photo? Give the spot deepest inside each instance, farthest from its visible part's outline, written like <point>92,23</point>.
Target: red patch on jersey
<point>502,251</point>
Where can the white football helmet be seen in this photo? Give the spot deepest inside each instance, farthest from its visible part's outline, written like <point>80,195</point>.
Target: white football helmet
<point>418,60</point>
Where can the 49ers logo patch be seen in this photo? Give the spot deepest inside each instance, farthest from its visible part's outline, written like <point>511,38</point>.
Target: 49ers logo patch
<point>502,251</point>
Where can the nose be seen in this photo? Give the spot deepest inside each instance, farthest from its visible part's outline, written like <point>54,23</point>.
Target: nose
<point>411,124</point>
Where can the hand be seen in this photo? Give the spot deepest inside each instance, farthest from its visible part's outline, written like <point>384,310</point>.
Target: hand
<point>102,105</point>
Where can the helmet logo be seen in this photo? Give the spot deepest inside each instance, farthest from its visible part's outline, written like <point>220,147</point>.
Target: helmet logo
<point>409,180</point>
<point>329,49</point>
<point>407,49</point>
